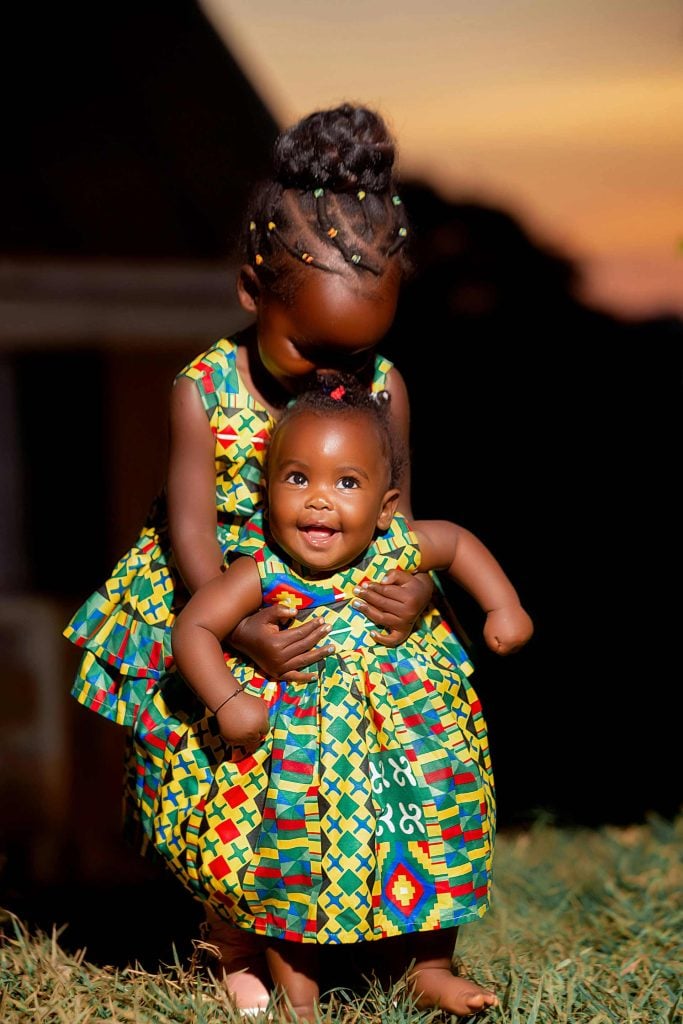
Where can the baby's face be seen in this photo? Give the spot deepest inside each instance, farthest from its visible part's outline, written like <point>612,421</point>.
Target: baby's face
<point>328,488</point>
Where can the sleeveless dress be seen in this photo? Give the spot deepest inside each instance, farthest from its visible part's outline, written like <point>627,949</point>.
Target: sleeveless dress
<point>124,628</point>
<point>368,811</point>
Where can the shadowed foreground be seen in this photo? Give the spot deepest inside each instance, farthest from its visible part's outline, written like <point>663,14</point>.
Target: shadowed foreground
<point>585,927</point>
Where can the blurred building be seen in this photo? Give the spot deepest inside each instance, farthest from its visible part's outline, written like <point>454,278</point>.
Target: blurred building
<point>131,138</point>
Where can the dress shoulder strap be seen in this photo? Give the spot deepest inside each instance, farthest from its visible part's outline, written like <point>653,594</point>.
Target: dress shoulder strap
<point>396,548</point>
<point>382,369</point>
<point>215,374</point>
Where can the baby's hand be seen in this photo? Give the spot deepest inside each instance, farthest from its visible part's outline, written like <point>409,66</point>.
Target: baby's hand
<point>394,603</point>
<point>243,722</point>
<point>507,629</point>
<point>281,653</point>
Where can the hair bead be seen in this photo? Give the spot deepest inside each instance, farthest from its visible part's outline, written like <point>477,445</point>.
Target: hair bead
<point>292,214</point>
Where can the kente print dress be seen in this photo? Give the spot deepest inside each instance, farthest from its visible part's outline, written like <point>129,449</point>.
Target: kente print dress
<point>124,628</point>
<point>368,811</point>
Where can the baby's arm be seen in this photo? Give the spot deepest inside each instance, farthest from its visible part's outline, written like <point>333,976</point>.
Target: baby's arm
<point>396,602</point>
<point>446,546</point>
<point>212,612</point>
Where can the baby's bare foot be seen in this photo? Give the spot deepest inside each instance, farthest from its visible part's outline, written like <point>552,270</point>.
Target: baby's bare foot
<point>437,986</point>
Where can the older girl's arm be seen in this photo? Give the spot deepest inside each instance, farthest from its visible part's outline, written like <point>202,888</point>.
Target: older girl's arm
<point>191,488</point>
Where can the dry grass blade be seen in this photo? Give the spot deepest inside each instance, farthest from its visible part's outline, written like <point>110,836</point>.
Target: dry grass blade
<point>585,929</point>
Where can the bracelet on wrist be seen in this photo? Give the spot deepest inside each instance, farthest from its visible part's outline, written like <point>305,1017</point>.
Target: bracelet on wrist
<point>240,689</point>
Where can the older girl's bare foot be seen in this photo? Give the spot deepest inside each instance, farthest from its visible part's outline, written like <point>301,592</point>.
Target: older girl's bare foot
<point>240,966</point>
<point>438,986</point>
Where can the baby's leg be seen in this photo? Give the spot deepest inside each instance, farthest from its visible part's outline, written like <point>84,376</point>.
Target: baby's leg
<point>433,980</point>
<point>294,970</point>
<point>241,956</point>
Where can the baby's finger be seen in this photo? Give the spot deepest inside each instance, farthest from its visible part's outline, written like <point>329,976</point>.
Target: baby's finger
<point>245,746</point>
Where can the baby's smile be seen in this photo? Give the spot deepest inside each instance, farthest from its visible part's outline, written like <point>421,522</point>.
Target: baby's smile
<point>318,534</point>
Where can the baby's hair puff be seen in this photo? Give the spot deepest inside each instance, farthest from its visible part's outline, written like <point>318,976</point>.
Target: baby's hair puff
<point>331,202</point>
<point>341,394</point>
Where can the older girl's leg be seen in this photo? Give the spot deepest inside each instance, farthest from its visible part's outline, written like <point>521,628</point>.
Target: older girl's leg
<point>432,975</point>
<point>294,970</point>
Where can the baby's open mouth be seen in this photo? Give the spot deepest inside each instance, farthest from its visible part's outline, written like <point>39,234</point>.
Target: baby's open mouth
<point>317,532</point>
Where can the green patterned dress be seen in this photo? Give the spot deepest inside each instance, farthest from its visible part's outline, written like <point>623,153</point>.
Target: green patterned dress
<point>124,628</point>
<point>368,810</point>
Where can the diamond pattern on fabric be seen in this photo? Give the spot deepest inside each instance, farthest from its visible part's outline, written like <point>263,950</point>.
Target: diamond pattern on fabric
<point>367,812</point>
<point>270,840</point>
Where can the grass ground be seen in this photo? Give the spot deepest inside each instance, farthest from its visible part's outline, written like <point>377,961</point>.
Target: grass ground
<point>586,928</point>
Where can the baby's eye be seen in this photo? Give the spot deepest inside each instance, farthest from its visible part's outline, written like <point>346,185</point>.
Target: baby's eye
<point>296,478</point>
<point>348,482</point>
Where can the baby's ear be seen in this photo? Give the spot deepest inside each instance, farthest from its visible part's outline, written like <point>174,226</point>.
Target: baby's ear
<point>388,508</point>
<point>248,288</point>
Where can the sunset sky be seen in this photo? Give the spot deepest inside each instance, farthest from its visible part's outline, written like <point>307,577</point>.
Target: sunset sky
<point>567,113</point>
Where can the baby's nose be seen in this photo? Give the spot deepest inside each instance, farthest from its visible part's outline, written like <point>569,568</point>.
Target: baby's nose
<point>319,500</point>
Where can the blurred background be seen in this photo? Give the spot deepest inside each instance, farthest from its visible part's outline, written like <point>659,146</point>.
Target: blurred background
<point>540,157</point>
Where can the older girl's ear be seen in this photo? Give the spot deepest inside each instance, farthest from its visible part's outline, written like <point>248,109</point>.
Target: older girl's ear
<point>248,288</point>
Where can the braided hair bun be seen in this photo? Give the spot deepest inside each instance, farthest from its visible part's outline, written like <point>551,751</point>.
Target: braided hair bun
<point>343,149</point>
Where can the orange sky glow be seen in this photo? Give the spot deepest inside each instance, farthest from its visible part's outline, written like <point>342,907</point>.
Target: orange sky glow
<point>569,115</point>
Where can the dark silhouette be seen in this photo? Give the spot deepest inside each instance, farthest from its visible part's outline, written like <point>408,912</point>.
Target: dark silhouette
<point>583,517</point>
<point>130,135</point>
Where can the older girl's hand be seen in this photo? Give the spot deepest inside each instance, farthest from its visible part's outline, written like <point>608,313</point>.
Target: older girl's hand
<point>280,653</point>
<point>395,603</point>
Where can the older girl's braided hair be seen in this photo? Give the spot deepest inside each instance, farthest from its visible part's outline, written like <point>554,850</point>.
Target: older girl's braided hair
<point>332,194</point>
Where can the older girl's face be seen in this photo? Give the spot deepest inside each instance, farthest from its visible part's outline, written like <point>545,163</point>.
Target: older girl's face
<point>333,322</point>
